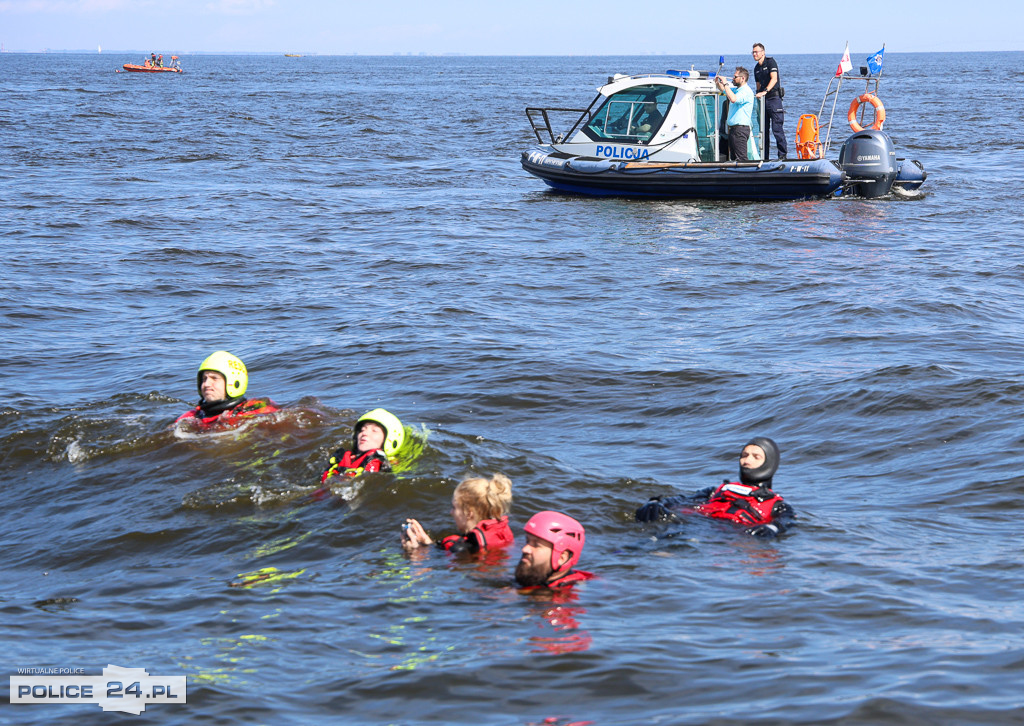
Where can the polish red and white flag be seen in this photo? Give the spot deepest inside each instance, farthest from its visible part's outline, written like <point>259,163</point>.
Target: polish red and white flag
<point>845,66</point>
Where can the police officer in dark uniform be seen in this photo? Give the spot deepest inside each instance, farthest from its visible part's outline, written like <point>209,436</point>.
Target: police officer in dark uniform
<point>769,88</point>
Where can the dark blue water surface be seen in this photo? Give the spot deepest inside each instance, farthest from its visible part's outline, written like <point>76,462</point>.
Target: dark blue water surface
<point>360,232</point>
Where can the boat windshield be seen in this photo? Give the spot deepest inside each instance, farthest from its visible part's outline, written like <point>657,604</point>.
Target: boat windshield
<point>633,115</point>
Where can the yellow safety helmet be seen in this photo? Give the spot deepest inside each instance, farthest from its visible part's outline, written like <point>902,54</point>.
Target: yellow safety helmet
<point>394,432</point>
<point>236,377</point>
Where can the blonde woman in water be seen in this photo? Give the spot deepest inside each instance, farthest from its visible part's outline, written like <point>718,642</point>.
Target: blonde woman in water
<point>480,510</point>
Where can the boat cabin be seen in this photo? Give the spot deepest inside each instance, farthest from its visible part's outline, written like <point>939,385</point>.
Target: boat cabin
<point>676,116</point>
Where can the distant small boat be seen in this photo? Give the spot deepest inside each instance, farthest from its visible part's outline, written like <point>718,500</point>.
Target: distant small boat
<point>292,55</point>
<point>149,67</point>
<point>133,68</point>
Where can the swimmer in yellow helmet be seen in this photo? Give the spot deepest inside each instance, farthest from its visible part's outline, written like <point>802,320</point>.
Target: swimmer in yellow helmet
<point>222,379</point>
<point>377,435</point>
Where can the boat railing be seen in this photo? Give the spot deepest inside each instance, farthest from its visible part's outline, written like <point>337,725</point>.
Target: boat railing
<point>540,122</point>
<point>870,86</point>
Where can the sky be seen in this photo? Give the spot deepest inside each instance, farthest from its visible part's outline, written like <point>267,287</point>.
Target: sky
<point>518,27</point>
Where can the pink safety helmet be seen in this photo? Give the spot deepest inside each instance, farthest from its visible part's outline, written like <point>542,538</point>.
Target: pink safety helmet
<point>563,532</point>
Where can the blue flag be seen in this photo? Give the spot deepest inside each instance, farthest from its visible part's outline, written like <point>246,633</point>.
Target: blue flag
<point>875,62</point>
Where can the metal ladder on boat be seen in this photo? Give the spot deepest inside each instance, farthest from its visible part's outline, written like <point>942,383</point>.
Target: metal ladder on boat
<point>834,93</point>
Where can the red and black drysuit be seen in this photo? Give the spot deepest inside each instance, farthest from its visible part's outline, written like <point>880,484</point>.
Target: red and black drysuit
<point>227,413</point>
<point>350,463</point>
<point>763,512</point>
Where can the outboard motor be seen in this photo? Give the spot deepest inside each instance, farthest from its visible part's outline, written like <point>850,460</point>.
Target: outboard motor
<point>869,160</point>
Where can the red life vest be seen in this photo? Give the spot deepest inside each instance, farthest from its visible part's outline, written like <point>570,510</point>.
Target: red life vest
<point>565,581</point>
<point>352,465</point>
<point>488,533</point>
<point>740,503</point>
<point>572,578</point>
<point>493,533</point>
<point>232,416</point>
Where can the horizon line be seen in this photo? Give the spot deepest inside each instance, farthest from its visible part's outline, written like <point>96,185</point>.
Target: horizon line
<point>414,54</point>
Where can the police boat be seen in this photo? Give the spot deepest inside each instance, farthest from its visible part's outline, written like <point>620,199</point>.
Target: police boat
<point>658,135</point>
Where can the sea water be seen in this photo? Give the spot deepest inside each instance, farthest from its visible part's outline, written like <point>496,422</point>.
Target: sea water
<point>360,232</point>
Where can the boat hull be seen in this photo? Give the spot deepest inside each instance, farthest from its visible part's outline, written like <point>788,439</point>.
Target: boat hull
<point>134,68</point>
<point>782,180</point>
<point>910,175</point>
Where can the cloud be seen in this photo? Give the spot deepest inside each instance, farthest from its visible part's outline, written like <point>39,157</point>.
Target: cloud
<point>92,7</point>
<point>239,7</point>
<point>65,7</point>
<point>407,31</point>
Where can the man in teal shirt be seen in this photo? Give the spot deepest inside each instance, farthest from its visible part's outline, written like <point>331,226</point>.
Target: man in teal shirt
<point>741,106</point>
